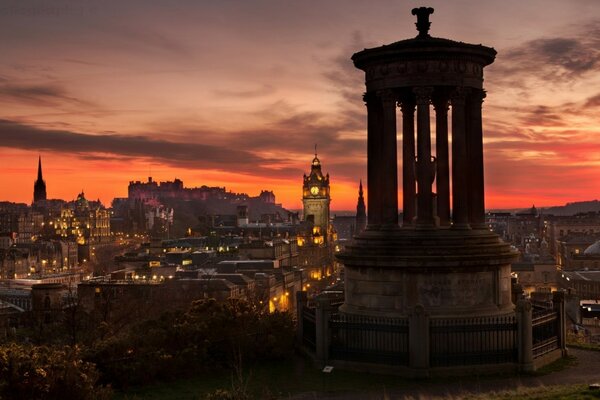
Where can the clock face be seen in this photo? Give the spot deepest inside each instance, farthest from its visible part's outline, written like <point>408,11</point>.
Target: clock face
<point>314,190</point>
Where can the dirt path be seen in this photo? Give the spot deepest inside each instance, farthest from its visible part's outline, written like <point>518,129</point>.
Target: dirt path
<point>587,370</point>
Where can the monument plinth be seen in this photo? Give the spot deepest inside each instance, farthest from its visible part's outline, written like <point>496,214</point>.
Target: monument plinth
<point>442,257</point>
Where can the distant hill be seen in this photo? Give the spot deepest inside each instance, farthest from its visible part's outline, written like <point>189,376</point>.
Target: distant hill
<point>571,208</point>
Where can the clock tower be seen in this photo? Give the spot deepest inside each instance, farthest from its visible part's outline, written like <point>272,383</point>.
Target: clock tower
<point>315,198</point>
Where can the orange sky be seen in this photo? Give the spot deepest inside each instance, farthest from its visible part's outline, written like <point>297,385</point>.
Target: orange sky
<point>235,94</point>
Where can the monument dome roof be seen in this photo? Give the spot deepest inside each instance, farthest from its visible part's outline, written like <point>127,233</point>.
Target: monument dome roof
<point>593,250</point>
<point>424,46</point>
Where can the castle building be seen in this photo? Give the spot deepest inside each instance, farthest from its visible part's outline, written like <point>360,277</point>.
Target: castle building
<point>39,187</point>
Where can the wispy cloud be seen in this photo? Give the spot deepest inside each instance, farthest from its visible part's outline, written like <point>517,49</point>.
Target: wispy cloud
<point>44,95</point>
<point>261,91</point>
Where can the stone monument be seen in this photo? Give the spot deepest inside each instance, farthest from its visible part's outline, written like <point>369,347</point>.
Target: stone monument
<point>442,259</point>
<point>432,295</point>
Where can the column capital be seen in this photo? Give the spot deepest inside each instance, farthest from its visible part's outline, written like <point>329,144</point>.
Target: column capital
<point>440,103</point>
<point>407,105</point>
<point>459,95</point>
<point>387,95</point>
<point>477,96</point>
<point>423,94</point>
<point>368,97</point>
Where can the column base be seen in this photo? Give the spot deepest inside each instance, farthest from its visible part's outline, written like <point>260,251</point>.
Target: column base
<point>463,226</point>
<point>479,226</point>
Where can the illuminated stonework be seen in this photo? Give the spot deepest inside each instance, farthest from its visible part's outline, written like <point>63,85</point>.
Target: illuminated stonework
<point>316,197</point>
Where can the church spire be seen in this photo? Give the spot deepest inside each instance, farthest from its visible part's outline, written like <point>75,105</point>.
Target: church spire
<point>40,169</point>
<point>361,215</point>
<point>39,187</point>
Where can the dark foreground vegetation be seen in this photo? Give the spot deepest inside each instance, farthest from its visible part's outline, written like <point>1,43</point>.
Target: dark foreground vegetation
<point>209,337</point>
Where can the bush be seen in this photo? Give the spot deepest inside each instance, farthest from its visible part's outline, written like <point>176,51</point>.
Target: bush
<point>210,335</point>
<point>40,372</point>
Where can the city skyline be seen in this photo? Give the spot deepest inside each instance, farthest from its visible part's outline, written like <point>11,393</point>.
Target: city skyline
<point>236,95</point>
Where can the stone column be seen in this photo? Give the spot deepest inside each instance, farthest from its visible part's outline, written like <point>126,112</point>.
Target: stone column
<point>425,163</point>
<point>460,207</point>
<point>440,103</point>
<point>374,157</point>
<point>322,315</point>
<point>525,335</point>
<point>475,158</point>
<point>408,160</point>
<point>389,161</point>
<point>418,337</point>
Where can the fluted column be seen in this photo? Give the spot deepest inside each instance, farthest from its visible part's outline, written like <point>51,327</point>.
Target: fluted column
<point>374,157</point>
<point>475,157</point>
<point>425,163</point>
<point>460,208</point>
<point>389,161</point>
<point>440,103</point>
<point>408,160</point>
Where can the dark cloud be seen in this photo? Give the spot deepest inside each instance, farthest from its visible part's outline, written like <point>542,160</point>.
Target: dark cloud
<point>297,132</point>
<point>46,95</point>
<point>344,77</point>
<point>543,116</point>
<point>178,154</point>
<point>558,59</point>
<point>593,101</point>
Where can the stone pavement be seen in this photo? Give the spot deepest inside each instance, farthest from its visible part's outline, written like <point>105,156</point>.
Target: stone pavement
<point>586,371</point>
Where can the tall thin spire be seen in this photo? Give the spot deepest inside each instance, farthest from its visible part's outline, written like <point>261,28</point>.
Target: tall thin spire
<point>39,187</point>
<point>361,214</point>
<point>40,169</point>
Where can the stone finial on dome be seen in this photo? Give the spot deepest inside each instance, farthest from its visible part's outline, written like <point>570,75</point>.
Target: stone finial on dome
<point>423,23</point>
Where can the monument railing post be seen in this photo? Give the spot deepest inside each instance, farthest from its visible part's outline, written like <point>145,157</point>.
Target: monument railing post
<point>323,313</point>
<point>558,301</point>
<point>418,339</point>
<point>301,299</point>
<point>525,335</point>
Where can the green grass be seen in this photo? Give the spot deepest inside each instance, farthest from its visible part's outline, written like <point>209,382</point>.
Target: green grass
<point>557,366</point>
<point>584,346</point>
<point>283,379</point>
<point>564,392</point>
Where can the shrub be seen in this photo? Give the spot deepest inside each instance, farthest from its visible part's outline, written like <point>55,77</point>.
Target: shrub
<point>41,372</point>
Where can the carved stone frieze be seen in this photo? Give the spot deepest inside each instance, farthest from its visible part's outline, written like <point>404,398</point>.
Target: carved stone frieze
<point>460,68</point>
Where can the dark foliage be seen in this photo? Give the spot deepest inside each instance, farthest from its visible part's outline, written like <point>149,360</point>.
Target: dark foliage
<point>41,372</point>
<point>210,335</point>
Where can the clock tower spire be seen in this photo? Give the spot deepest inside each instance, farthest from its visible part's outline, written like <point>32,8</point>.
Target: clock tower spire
<point>316,197</point>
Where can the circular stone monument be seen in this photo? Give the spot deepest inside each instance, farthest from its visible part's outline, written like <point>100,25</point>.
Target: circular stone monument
<point>443,258</point>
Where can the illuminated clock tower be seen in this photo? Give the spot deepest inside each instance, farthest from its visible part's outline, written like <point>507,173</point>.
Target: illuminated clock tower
<point>315,198</point>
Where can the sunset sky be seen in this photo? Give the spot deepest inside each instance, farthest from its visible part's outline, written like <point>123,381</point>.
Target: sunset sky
<point>236,94</point>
